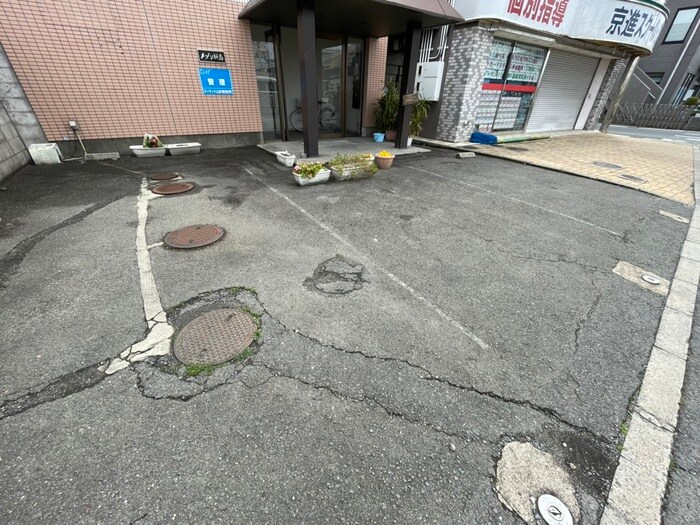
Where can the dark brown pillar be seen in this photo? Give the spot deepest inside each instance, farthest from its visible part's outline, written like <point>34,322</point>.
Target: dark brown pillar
<point>306,29</point>
<point>408,81</point>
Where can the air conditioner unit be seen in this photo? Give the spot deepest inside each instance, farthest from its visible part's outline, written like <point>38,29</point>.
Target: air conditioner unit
<point>429,80</point>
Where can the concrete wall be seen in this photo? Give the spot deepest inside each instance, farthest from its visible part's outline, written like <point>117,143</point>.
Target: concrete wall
<point>607,89</point>
<point>464,75</point>
<point>19,126</point>
<point>126,67</point>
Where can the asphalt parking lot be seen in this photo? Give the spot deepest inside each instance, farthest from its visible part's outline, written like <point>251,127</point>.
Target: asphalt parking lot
<point>485,312</point>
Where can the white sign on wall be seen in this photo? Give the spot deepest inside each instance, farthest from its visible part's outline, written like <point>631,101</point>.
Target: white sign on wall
<point>628,22</point>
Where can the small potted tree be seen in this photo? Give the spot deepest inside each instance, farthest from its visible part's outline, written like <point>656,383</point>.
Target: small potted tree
<point>418,116</point>
<point>386,112</point>
<point>311,173</point>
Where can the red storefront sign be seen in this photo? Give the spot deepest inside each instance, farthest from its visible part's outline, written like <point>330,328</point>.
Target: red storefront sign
<point>550,12</point>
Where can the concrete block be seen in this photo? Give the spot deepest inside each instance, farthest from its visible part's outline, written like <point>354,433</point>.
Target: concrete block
<point>674,332</point>
<point>17,145</point>
<point>11,89</point>
<point>4,61</point>
<point>691,250</point>
<point>7,131</point>
<point>9,166</point>
<point>682,297</point>
<point>7,75</point>
<point>466,155</point>
<point>688,271</point>
<point>6,150</point>
<point>31,134</point>
<point>660,394</point>
<point>16,104</point>
<point>20,118</point>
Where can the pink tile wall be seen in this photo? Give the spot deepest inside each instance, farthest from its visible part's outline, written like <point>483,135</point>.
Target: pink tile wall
<point>376,72</point>
<point>125,67</point>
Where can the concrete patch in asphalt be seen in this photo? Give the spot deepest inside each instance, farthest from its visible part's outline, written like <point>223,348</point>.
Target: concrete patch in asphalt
<point>524,473</point>
<point>337,276</point>
<point>643,278</point>
<point>675,217</point>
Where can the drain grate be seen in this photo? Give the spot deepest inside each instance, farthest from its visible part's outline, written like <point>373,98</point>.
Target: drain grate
<point>607,165</point>
<point>164,176</point>
<point>215,337</point>
<point>632,178</point>
<point>194,236</point>
<point>173,188</point>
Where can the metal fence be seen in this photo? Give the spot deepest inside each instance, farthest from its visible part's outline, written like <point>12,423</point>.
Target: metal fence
<point>653,116</point>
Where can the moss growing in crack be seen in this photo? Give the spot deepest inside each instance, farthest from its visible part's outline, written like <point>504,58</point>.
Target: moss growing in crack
<point>197,370</point>
<point>258,323</point>
<point>245,354</point>
<point>624,428</point>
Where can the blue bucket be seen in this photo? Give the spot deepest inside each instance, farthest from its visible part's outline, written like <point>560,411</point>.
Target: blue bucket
<point>379,137</point>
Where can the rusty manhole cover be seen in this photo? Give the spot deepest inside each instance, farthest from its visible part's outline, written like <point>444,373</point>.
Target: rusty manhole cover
<point>215,337</point>
<point>173,188</point>
<point>194,236</point>
<point>164,176</point>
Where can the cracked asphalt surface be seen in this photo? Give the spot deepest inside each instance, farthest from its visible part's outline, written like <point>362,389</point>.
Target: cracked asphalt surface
<point>375,406</point>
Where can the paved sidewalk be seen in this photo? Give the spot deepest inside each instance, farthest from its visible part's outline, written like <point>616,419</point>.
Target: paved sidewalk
<point>666,169</point>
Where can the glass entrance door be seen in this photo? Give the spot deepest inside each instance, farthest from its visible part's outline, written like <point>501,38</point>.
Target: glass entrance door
<point>329,53</point>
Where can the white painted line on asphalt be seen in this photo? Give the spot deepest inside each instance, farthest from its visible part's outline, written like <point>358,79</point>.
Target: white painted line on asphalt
<point>368,262</point>
<point>639,486</point>
<point>157,341</point>
<point>519,201</point>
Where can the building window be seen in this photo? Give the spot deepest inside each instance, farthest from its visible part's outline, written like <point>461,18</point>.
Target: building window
<point>681,26</point>
<point>510,82</point>
<point>656,77</point>
<point>685,91</point>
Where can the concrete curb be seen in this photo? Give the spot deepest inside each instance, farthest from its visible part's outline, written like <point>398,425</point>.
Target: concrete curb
<point>639,486</point>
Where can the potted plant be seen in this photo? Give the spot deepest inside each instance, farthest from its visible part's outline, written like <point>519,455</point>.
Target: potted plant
<point>386,111</point>
<point>344,167</point>
<point>310,173</point>
<point>150,147</point>
<point>418,116</point>
<point>384,160</point>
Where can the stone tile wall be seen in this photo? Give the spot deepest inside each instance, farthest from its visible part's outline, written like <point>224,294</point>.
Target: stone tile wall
<point>469,51</point>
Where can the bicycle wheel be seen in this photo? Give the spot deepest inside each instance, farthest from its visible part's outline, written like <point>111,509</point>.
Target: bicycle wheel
<point>327,118</point>
<point>297,120</point>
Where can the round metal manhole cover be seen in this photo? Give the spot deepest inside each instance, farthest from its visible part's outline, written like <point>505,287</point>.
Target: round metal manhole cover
<point>554,511</point>
<point>608,165</point>
<point>215,337</point>
<point>173,188</point>
<point>194,236</point>
<point>164,176</point>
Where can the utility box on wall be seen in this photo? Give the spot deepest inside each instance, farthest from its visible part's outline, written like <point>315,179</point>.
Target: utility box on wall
<point>429,80</point>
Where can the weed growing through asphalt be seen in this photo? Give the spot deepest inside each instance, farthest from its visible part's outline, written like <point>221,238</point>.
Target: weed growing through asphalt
<point>624,428</point>
<point>197,370</point>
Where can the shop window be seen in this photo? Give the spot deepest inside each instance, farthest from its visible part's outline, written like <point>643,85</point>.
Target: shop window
<point>512,74</point>
<point>681,26</point>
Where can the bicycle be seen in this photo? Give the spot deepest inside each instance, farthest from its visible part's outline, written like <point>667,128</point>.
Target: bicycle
<point>326,117</point>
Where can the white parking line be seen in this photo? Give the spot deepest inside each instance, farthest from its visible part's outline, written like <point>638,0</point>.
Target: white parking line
<point>368,262</point>
<point>519,201</point>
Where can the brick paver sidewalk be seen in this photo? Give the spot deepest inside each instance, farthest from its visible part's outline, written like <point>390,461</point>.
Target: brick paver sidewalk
<point>666,169</point>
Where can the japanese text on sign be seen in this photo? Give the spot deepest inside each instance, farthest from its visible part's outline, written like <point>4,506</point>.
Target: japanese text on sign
<point>216,81</point>
<point>632,23</point>
<point>211,56</point>
<point>550,12</point>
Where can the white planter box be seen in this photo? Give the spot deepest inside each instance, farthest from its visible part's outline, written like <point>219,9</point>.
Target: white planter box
<point>140,151</point>
<point>186,148</point>
<point>285,158</point>
<point>321,177</point>
<point>45,153</point>
<point>347,172</point>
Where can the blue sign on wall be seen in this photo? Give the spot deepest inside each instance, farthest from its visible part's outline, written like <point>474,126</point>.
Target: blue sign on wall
<point>216,81</point>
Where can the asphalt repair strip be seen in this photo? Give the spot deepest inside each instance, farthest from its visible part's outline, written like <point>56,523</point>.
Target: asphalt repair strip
<point>639,486</point>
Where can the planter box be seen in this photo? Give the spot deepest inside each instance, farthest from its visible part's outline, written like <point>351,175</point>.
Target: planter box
<point>140,151</point>
<point>285,158</point>
<point>45,153</point>
<point>350,172</point>
<point>186,148</point>
<point>321,177</point>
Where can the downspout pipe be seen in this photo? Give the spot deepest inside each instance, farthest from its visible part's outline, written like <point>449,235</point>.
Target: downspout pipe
<point>631,67</point>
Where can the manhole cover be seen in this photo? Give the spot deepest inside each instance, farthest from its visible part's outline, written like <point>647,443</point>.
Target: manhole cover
<point>164,176</point>
<point>194,236</point>
<point>632,178</point>
<point>173,188</point>
<point>608,165</point>
<point>215,337</point>
<point>554,511</point>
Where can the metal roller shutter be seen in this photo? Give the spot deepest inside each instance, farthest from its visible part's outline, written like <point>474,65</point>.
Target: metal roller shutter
<point>561,92</point>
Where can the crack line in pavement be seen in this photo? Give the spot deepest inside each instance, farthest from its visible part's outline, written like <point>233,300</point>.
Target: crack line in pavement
<point>548,412</point>
<point>11,261</point>
<point>519,201</point>
<point>369,263</point>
